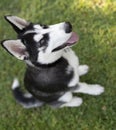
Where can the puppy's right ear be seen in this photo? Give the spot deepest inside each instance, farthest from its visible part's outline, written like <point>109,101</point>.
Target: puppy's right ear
<point>17,23</point>
<point>16,48</point>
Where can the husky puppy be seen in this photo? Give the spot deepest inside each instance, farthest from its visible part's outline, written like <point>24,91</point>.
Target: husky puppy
<point>53,70</point>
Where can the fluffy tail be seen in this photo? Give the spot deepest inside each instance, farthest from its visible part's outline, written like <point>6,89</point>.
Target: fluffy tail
<point>25,99</point>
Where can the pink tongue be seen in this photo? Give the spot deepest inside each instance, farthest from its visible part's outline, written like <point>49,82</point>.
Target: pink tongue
<point>73,39</point>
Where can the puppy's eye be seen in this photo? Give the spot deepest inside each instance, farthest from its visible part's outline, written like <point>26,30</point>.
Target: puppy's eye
<point>24,42</point>
<point>41,42</point>
<point>44,26</point>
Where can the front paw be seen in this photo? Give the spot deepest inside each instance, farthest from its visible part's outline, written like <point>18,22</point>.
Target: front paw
<point>83,69</point>
<point>96,89</point>
<point>91,89</point>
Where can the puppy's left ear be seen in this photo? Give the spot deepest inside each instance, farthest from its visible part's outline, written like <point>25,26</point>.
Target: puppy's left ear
<point>16,48</point>
<point>17,23</point>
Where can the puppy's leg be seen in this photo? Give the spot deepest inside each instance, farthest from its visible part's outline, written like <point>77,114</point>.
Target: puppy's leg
<point>83,69</point>
<point>75,102</point>
<point>70,101</point>
<point>94,89</point>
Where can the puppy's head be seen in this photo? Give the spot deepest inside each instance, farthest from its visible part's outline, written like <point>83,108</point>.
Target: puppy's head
<point>39,43</point>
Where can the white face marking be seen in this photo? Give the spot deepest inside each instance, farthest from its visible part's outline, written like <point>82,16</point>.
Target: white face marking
<point>40,30</point>
<point>30,31</point>
<point>57,37</point>
<point>38,37</point>
<point>37,27</point>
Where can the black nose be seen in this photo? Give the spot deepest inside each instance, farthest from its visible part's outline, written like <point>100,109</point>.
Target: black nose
<point>68,27</point>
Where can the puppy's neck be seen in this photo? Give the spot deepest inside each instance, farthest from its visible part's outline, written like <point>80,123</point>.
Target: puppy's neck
<point>49,58</point>
<point>45,60</point>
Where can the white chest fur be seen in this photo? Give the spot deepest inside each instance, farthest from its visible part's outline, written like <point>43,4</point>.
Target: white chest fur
<point>73,61</point>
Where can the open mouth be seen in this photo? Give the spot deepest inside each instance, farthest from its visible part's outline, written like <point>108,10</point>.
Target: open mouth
<point>71,41</point>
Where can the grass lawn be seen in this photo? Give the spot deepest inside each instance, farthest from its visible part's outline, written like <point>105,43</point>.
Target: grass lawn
<point>95,22</point>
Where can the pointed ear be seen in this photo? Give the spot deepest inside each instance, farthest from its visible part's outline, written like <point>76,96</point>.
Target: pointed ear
<point>17,23</point>
<point>16,48</point>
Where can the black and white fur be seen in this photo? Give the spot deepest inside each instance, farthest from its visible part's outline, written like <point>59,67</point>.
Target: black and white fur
<point>53,70</point>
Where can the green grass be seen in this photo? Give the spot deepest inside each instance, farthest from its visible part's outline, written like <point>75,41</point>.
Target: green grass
<point>95,22</point>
